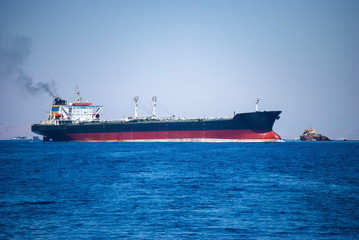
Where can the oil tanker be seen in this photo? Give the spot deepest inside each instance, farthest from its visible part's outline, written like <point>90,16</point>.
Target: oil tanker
<point>81,121</point>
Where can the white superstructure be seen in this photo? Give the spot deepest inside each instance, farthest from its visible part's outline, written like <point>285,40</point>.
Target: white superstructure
<point>77,112</point>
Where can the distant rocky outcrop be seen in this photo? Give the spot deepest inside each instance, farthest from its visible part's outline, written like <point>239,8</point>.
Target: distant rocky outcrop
<point>311,135</point>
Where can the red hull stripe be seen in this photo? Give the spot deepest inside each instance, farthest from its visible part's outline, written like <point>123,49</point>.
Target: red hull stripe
<point>172,135</point>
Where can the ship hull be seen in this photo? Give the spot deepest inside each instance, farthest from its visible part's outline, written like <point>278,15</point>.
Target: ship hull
<point>254,127</point>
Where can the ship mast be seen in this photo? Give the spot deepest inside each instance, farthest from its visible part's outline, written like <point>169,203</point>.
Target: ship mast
<point>257,100</point>
<point>154,99</point>
<point>78,94</point>
<point>136,105</point>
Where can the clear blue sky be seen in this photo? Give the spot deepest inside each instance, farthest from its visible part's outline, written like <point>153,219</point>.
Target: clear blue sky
<point>201,58</point>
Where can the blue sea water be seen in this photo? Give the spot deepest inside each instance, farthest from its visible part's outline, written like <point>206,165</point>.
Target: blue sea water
<point>290,190</point>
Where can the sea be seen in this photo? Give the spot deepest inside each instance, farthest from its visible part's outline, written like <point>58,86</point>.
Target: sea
<point>79,190</point>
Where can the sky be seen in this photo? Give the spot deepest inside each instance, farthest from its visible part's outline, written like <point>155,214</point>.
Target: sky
<point>200,58</point>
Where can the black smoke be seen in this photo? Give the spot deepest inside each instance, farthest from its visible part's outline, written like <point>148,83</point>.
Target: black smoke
<point>33,89</point>
<point>13,55</point>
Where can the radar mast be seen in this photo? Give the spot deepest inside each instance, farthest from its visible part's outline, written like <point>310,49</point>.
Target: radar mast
<point>79,98</point>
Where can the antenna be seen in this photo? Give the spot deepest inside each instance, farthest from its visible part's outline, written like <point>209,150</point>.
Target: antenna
<point>257,101</point>
<point>79,98</point>
<point>136,105</point>
<point>154,99</point>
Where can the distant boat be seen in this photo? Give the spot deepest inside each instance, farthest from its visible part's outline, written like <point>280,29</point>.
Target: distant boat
<point>21,138</point>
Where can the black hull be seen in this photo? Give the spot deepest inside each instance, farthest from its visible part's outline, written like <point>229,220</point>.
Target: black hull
<point>241,126</point>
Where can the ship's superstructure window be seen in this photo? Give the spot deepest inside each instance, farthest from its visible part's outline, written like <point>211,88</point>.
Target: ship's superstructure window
<point>81,113</point>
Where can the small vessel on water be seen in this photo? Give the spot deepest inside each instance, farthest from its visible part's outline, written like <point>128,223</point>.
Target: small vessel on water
<point>81,121</point>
